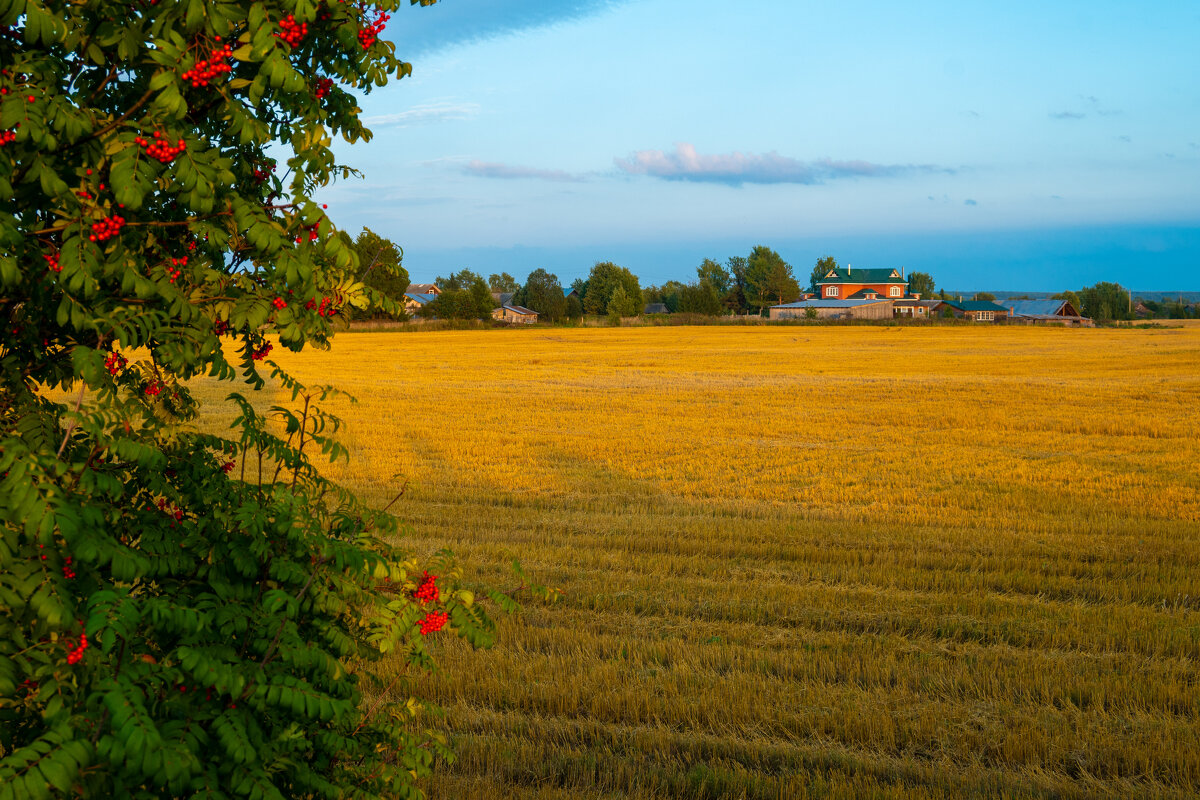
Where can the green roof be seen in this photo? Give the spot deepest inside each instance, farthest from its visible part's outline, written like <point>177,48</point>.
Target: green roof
<point>975,305</point>
<point>852,275</point>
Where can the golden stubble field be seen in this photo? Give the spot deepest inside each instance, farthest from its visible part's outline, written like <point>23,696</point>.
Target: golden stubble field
<point>804,561</point>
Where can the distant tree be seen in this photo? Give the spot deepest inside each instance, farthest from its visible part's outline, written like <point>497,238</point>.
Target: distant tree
<point>820,270</point>
<point>544,294</point>
<point>603,280</point>
<point>1071,298</point>
<point>943,296</point>
<point>921,283</point>
<point>985,296</point>
<point>624,303</point>
<point>379,262</point>
<point>700,298</point>
<point>503,283</point>
<point>1105,301</point>
<point>735,298</point>
<point>769,278</point>
<point>715,275</point>
<point>574,307</point>
<point>465,295</point>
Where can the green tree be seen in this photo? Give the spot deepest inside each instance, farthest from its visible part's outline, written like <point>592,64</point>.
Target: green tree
<point>465,295</point>
<point>715,275</point>
<point>769,278</point>
<point>921,283</point>
<point>602,281</point>
<point>1104,302</point>
<point>736,299</point>
<point>380,267</point>
<point>819,271</point>
<point>700,298</point>
<point>503,283</point>
<point>574,308</point>
<point>544,294</point>
<point>189,614</point>
<point>1071,298</point>
<point>985,296</point>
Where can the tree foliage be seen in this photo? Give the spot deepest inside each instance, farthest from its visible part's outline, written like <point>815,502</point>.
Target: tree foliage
<point>921,283</point>
<point>503,283</point>
<point>819,271</point>
<point>380,269</point>
<point>1105,302</point>
<point>182,613</point>
<point>544,294</point>
<point>603,281</point>
<point>769,279</point>
<point>465,295</point>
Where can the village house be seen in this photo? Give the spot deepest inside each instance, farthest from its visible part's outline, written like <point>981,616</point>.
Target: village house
<point>974,310</point>
<point>861,308</point>
<point>515,314</point>
<point>423,288</point>
<point>415,301</point>
<point>847,283</point>
<point>914,308</point>
<point>1045,312</point>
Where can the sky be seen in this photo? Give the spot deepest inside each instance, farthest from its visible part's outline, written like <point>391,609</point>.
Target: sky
<point>1031,146</point>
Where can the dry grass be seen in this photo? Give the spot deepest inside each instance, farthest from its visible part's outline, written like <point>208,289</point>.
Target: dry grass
<point>805,562</point>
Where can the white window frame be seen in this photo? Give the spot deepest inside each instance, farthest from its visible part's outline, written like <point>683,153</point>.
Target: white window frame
<point>831,291</point>
<point>895,291</point>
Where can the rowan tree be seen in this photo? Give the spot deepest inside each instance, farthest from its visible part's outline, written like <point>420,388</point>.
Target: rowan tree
<point>184,613</point>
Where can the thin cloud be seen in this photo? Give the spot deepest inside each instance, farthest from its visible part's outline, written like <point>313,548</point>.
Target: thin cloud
<point>444,25</point>
<point>969,202</point>
<point>484,169</point>
<point>735,169</point>
<point>425,114</point>
<point>1068,115</point>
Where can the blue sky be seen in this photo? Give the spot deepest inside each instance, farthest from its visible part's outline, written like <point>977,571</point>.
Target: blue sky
<point>1024,146</point>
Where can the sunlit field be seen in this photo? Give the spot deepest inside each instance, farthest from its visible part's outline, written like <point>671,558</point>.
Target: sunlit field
<point>803,561</point>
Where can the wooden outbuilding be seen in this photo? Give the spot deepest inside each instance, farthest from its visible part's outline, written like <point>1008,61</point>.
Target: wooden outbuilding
<point>833,309</point>
<point>515,314</point>
<point>974,310</point>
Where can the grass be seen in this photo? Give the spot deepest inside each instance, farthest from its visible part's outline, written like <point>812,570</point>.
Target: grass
<point>846,562</point>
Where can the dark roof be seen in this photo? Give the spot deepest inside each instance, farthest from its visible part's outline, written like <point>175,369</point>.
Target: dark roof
<point>421,288</point>
<point>1038,308</point>
<point>851,275</point>
<point>519,309</point>
<point>655,308</point>
<point>975,305</point>
<point>862,293</point>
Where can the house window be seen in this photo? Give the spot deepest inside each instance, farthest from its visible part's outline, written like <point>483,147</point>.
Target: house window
<point>831,291</point>
<point>896,291</point>
<point>985,316</point>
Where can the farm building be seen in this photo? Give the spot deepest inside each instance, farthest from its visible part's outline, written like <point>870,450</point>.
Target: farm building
<point>517,314</point>
<point>834,309</point>
<point>1045,312</point>
<point>846,283</point>
<point>974,310</point>
<point>415,301</point>
<point>913,308</point>
<point>656,308</point>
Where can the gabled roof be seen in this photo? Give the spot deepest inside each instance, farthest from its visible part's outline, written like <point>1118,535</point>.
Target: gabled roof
<point>422,288</point>
<point>519,310</point>
<point>976,305</point>
<point>851,275</point>
<point>1040,308</point>
<point>656,308</point>
<point>832,303</point>
<point>862,293</point>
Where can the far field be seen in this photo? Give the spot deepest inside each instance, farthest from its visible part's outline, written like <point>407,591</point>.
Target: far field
<point>805,561</point>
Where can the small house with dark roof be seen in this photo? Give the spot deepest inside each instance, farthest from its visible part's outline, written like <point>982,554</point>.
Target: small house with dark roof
<point>423,288</point>
<point>847,283</point>
<point>515,314</point>
<point>974,310</point>
<point>656,308</point>
<point>1045,312</point>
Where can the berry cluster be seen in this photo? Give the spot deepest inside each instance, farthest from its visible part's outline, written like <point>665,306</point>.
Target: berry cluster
<point>227,467</point>
<point>52,262</point>
<point>209,68</point>
<point>174,270</point>
<point>262,352</point>
<point>115,363</point>
<point>326,309</point>
<point>160,149</point>
<point>368,35</point>
<point>68,572</point>
<point>9,136</point>
<point>433,622</point>
<point>324,87</point>
<point>106,228</point>
<point>40,547</point>
<point>291,31</point>
<point>75,654</point>
<point>279,303</point>
<point>175,513</point>
<point>427,590</point>
<point>220,327</point>
<point>312,232</point>
<point>154,389</point>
